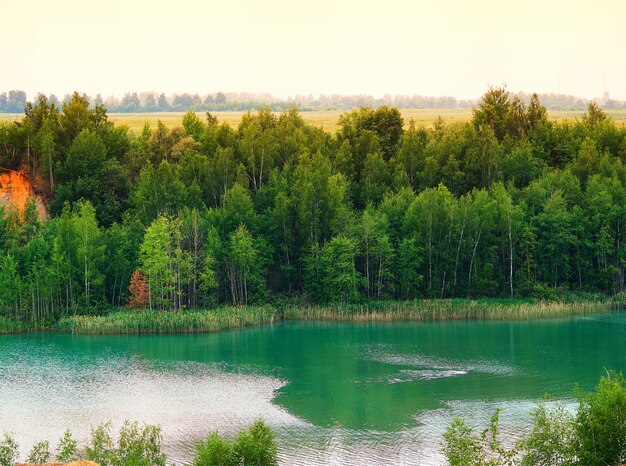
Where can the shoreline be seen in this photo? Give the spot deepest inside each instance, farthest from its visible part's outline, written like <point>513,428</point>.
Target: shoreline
<point>125,321</point>
<point>228,317</point>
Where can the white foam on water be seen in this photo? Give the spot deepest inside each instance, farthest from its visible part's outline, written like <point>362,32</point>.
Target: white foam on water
<point>406,375</point>
<point>439,363</point>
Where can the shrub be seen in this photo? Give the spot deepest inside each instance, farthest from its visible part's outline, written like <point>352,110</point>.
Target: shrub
<point>101,449</point>
<point>66,449</point>
<point>595,436</point>
<point>601,422</point>
<point>461,446</point>
<point>8,451</point>
<point>464,448</point>
<point>255,446</point>
<point>40,453</point>
<point>552,439</point>
<point>139,446</point>
<point>214,451</point>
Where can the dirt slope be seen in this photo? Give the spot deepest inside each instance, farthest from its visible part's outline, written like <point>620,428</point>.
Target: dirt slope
<point>16,188</point>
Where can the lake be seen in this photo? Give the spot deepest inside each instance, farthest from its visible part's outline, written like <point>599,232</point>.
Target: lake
<point>335,393</point>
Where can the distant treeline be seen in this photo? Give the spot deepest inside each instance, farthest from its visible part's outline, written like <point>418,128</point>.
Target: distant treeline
<point>506,204</point>
<point>150,102</point>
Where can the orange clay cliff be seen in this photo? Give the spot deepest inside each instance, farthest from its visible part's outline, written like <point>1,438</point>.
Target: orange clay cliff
<point>16,188</point>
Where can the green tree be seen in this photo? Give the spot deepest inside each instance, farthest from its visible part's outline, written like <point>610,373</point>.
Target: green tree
<point>155,254</point>
<point>492,111</point>
<point>210,266</point>
<point>385,122</point>
<point>319,199</point>
<point>245,267</point>
<point>101,448</point>
<point>339,278</point>
<point>407,267</point>
<point>377,251</point>
<point>257,145</point>
<point>158,191</point>
<point>601,423</point>
<point>594,115</point>
<point>555,240</point>
<point>89,249</point>
<point>193,125</point>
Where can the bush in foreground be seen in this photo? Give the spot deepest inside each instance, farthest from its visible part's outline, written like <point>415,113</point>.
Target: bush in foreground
<point>40,453</point>
<point>255,446</point>
<point>141,446</point>
<point>594,436</point>
<point>136,446</point>
<point>8,451</point>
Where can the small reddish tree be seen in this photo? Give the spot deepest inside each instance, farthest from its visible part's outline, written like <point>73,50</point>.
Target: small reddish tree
<point>138,290</point>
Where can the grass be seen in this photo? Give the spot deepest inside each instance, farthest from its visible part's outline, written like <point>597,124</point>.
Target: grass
<point>223,318</point>
<point>456,309</point>
<point>146,321</point>
<point>327,119</point>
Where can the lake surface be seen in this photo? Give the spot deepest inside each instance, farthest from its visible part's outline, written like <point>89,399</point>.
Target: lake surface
<point>336,393</point>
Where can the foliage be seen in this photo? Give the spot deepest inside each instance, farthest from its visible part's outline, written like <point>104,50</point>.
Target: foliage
<point>139,446</point>
<point>101,448</point>
<point>66,449</point>
<point>8,451</point>
<point>551,441</point>
<point>228,317</point>
<point>214,451</point>
<point>601,422</point>
<point>40,453</point>
<point>464,448</point>
<point>461,446</point>
<point>204,214</point>
<point>145,321</point>
<point>136,446</point>
<point>595,435</point>
<point>138,291</point>
<point>255,445</point>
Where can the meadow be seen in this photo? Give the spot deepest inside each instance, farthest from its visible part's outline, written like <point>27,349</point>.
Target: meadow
<point>327,119</point>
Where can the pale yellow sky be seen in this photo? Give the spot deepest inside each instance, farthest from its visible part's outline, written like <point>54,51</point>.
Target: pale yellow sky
<point>446,47</point>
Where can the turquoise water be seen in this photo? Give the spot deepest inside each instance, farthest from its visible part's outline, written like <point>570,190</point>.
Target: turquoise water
<point>336,393</point>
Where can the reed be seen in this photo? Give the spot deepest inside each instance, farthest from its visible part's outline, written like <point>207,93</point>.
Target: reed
<point>227,317</point>
<point>456,309</point>
<point>169,321</point>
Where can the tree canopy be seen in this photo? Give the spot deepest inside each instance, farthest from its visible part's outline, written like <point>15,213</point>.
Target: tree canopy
<point>508,204</point>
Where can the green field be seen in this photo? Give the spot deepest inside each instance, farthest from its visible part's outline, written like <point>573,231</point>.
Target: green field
<point>327,119</point>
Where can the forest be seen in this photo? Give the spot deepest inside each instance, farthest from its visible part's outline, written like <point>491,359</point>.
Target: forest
<point>508,204</point>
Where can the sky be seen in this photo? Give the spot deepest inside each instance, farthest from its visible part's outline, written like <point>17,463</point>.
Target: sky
<point>289,47</point>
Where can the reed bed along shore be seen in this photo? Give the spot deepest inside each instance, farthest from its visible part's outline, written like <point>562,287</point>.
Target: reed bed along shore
<point>456,309</point>
<point>223,318</point>
<point>146,321</point>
